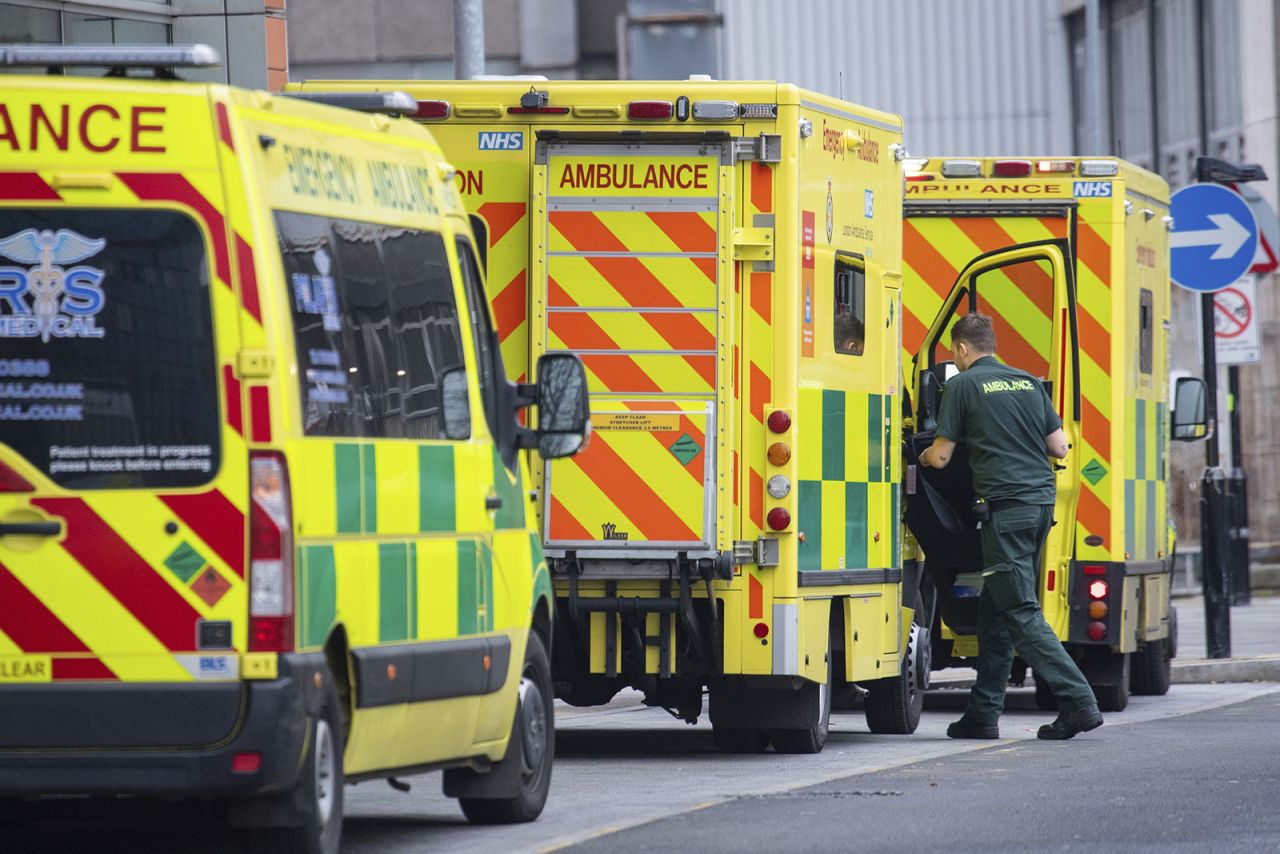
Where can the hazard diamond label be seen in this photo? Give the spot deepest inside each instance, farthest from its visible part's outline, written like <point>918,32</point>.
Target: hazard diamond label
<point>1094,472</point>
<point>685,448</point>
<point>184,562</point>
<point>210,586</point>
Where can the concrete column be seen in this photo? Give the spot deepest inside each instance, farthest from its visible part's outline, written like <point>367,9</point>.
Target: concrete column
<point>249,34</point>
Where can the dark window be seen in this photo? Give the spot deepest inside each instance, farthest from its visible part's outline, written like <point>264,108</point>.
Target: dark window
<point>108,376</point>
<point>481,331</point>
<point>1145,321</point>
<point>375,324</point>
<point>481,229</point>
<point>850,305</point>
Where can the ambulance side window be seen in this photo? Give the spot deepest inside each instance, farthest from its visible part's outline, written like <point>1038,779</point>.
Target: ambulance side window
<point>850,318</point>
<point>1145,320</point>
<point>481,330</point>
<point>375,325</point>
<point>481,230</point>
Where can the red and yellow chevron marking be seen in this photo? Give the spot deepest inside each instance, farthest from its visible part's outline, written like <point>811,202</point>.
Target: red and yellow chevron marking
<point>757,335</point>
<point>628,483</point>
<point>507,281</point>
<point>936,249</point>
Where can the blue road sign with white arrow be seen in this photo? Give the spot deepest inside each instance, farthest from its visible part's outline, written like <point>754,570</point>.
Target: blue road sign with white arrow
<point>1214,237</point>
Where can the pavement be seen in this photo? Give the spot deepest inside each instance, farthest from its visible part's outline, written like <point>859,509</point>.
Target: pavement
<point>1255,642</point>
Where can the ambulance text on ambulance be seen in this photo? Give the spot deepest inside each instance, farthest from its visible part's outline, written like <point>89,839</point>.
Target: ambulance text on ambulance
<point>625,176</point>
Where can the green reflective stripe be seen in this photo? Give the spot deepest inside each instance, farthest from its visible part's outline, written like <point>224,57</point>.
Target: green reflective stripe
<point>855,525</point>
<point>809,509</point>
<point>1130,511</point>
<point>511,491</point>
<point>369,487</point>
<point>875,447</point>
<point>346,466</point>
<point>1140,438</point>
<point>397,601</point>
<point>832,435</point>
<point>475,588</point>
<point>318,595</point>
<point>437,509</point>
<point>536,556</point>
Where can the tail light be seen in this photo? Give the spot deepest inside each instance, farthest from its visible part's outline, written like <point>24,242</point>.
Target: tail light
<point>270,554</point>
<point>778,486</point>
<point>1098,589</point>
<point>1097,631</point>
<point>1067,167</point>
<point>11,481</point>
<point>779,454</point>
<point>779,421</point>
<point>779,518</point>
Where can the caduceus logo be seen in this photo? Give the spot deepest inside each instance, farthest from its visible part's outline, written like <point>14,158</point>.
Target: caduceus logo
<point>49,299</point>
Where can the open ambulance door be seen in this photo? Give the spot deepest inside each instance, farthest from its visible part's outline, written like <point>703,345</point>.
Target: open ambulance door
<point>1029,292</point>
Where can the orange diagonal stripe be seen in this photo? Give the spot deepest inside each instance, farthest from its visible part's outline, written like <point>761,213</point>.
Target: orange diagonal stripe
<point>509,307</point>
<point>686,229</point>
<point>564,526</point>
<point>1095,427</point>
<point>1094,252</point>
<point>1094,515</point>
<point>927,261</point>
<point>1095,340</point>
<point>631,494</point>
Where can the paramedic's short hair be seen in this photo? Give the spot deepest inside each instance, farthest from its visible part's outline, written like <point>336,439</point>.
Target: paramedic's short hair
<point>976,331</point>
<point>850,335</point>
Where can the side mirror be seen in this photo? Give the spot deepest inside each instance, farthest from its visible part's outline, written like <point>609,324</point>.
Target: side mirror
<point>564,416</point>
<point>455,406</point>
<point>1189,422</point>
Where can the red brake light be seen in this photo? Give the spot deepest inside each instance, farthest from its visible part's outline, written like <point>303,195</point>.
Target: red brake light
<point>920,176</point>
<point>761,630</point>
<point>246,762</point>
<point>1097,631</point>
<point>432,110</point>
<point>1011,169</point>
<point>779,518</point>
<point>270,554</point>
<point>11,481</point>
<point>649,110</point>
<point>779,421</point>
<point>1098,589</point>
<point>1093,569</point>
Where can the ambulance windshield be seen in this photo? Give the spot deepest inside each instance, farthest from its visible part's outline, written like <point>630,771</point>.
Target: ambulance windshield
<point>107,371</point>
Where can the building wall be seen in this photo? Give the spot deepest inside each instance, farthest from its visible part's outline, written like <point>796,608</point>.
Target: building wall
<point>973,77</point>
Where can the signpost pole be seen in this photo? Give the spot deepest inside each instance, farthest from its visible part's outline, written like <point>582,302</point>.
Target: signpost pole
<point>1241,592</point>
<point>1214,577</point>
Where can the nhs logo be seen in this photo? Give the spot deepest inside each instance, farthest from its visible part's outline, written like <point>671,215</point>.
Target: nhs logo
<point>501,140</point>
<point>1092,189</point>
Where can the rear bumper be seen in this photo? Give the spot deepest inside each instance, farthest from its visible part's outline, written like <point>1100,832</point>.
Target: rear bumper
<point>272,722</point>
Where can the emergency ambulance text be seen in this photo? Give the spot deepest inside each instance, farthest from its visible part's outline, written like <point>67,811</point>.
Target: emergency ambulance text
<point>624,176</point>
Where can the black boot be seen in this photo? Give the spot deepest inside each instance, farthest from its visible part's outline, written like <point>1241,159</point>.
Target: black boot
<point>968,728</point>
<point>1068,724</point>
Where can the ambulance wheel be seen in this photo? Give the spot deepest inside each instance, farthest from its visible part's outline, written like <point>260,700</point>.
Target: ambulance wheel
<point>810,739</point>
<point>532,747</point>
<point>313,808</point>
<point>1113,695</point>
<point>1045,699</point>
<point>733,740</point>
<point>894,704</point>
<point>1153,665</point>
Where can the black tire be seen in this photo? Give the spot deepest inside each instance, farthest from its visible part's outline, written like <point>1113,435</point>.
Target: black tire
<point>314,805</point>
<point>1114,696</point>
<point>1153,665</point>
<point>532,745</point>
<point>1173,632</point>
<point>893,704</point>
<point>732,740</point>
<point>809,739</point>
<point>1045,699</point>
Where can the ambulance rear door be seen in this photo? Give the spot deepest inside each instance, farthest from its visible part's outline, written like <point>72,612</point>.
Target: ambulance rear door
<point>1028,289</point>
<point>628,273</point>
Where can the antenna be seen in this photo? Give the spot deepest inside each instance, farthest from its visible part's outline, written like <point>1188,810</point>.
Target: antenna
<point>841,87</point>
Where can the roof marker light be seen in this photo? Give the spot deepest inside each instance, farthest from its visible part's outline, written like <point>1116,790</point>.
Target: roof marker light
<point>115,56</point>
<point>962,168</point>
<point>1099,168</point>
<point>1011,169</point>
<point>432,110</point>
<point>1067,167</point>
<point>649,110</point>
<point>713,111</point>
<point>758,111</point>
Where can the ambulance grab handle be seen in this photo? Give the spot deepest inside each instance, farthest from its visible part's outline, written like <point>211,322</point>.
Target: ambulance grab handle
<point>493,502</point>
<point>30,529</point>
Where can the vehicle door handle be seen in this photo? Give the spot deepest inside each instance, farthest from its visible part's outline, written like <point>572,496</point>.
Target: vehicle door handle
<point>30,529</point>
<point>493,502</point>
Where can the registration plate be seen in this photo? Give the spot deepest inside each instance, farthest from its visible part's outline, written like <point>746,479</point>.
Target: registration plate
<point>26,668</point>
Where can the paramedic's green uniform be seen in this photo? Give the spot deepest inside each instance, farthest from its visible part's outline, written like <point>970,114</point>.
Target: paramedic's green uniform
<point>1004,415</point>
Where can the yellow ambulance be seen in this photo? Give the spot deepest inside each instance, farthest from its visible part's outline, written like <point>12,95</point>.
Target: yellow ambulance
<point>1070,258</point>
<point>264,520</point>
<point>726,259</point>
